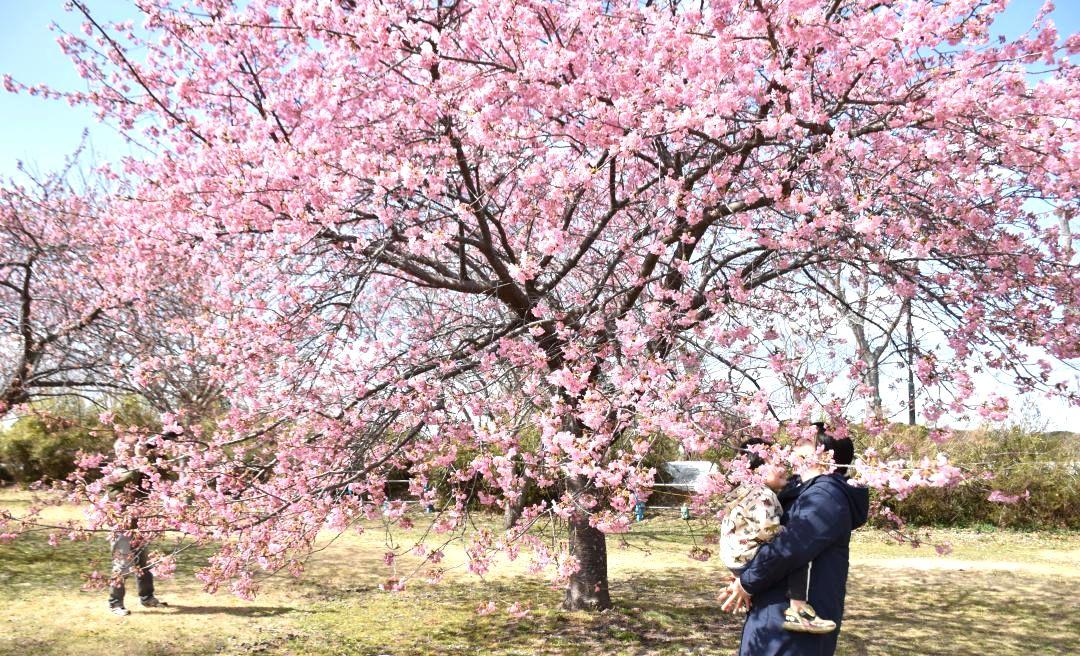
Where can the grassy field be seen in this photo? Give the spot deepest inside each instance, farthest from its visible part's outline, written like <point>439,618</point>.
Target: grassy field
<point>997,593</point>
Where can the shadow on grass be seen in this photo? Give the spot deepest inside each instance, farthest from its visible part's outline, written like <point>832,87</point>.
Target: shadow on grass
<point>656,612</point>
<point>337,608</point>
<point>890,613</point>
<point>239,611</point>
<point>30,558</point>
<point>958,613</point>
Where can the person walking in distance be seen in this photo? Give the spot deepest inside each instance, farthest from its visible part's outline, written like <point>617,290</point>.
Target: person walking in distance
<point>129,549</point>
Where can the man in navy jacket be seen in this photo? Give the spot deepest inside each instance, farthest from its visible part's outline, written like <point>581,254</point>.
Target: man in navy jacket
<point>817,530</point>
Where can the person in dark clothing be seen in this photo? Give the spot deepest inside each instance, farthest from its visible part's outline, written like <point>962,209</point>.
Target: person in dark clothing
<point>752,518</point>
<point>817,530</point>
<point>128,548</point>
<point>128,560</point>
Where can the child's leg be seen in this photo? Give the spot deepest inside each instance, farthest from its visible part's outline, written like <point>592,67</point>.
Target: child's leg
<point>121,567</point>
<point>116,593</point>
<point>798,585</point>
<point>144,579</point>
<point>800,615</point>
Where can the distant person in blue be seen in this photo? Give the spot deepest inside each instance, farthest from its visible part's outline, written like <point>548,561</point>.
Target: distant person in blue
<point>817,530</point>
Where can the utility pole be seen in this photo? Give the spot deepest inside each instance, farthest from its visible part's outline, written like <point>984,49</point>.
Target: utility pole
<point>910,368</point>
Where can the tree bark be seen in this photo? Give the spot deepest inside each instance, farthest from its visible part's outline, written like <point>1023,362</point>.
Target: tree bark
<point>588,587</point>
<point>512,512</point>
<point>872,379</point>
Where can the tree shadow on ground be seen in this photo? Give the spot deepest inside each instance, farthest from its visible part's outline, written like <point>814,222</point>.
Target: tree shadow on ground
<point>890,613</point>
<point>337,608</point>
<point>655,612</point>
<point>958,613</point>
<point>239,611</point>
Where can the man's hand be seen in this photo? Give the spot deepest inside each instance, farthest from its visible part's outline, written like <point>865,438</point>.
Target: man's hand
<point>735,598</point>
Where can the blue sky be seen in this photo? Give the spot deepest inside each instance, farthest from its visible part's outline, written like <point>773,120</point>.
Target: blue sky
<point>34,130</point>
<point>41,133</point>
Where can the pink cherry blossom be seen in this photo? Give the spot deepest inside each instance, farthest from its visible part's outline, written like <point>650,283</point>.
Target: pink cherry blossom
<point>997,496</point>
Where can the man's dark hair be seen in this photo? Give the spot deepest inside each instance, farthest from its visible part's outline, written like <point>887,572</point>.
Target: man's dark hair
<point>842,448</point>
<point>755,460</point>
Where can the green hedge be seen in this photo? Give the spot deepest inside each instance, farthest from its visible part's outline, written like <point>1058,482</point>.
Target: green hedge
<point>1044,466</point>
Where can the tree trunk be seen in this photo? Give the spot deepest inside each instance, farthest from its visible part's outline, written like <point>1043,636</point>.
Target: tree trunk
<point>512,512</point>
<point>588,587</point>
<point>872,379</point>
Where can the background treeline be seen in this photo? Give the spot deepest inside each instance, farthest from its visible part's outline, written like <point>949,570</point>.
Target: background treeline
<point>1043,466</point>
<point>43,444</point>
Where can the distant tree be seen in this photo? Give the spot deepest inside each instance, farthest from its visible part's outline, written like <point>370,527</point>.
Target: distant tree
<point>43,444</point>
<point>57,290</point>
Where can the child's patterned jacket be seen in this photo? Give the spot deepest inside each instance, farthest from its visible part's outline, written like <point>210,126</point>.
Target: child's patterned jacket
<point>752,519</point>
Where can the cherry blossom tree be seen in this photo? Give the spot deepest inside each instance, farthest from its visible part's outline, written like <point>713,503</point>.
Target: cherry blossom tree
<point>159,359</point>
<point>423,226</point>
<point>74,322</point>
<point>873,321</point>
<point>55,298</point>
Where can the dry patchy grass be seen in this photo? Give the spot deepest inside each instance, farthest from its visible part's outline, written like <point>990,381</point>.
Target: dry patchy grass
<point>998,593</point>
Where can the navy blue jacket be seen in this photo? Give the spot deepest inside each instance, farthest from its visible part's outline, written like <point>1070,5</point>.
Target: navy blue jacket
<point>817,529</point>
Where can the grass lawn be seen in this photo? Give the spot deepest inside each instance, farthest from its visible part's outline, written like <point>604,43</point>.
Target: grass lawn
<point>997,593</point>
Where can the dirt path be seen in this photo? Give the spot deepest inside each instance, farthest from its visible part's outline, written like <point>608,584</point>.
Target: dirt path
<point>1067,568</point>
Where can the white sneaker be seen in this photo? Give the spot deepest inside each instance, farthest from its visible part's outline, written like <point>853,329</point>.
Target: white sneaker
<point>120,610</point>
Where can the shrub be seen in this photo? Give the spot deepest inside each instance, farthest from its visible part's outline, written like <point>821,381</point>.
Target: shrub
<point>43,445</point>
<point>1043,469</point>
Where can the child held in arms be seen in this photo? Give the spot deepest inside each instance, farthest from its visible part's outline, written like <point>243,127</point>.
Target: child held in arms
<point>752,519</point>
